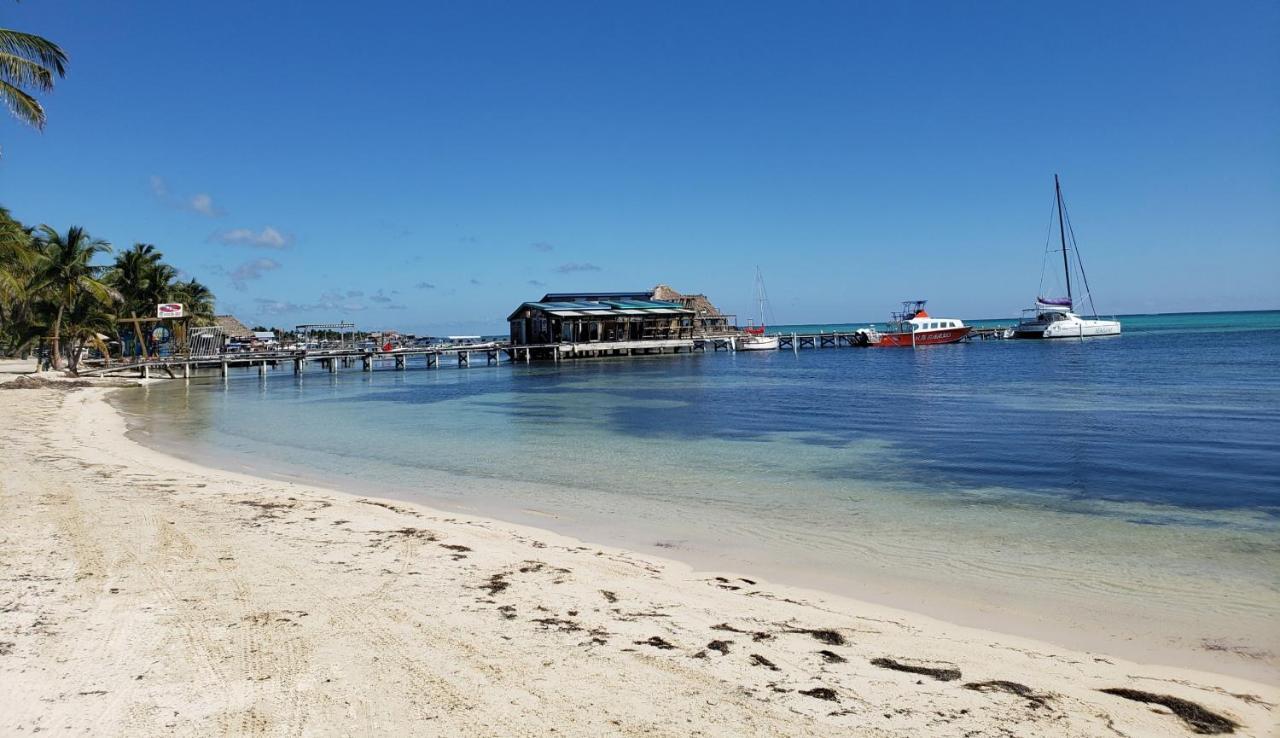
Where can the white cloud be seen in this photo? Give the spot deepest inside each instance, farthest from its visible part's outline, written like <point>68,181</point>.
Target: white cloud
<point>277,307</point>
<point>251,270</point>
<point>267,238</point>
<point>543,246</point>
<point>202,203</point>
<point>577,267</point>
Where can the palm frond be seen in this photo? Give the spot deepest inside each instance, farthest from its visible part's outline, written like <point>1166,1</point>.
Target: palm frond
<point>101,292</point>
<point>24,73</point>
<point>35,48</point>
<point>23,106</point>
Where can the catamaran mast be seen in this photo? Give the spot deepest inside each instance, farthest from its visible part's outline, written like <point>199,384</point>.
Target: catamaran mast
<point>1062,234</point>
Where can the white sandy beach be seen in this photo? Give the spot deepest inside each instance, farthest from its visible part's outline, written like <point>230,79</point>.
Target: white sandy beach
<point>142,595</point>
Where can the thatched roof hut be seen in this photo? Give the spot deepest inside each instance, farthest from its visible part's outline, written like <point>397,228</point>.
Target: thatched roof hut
<point>699,304</point>
<point>232,328</point>
<point>707,317</point>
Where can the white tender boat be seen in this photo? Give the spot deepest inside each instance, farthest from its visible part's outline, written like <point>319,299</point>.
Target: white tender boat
<point>1052,317</point>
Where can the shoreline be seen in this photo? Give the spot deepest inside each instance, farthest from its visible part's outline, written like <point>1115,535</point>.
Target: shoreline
<point>992,581</point>
<point>149,589</point>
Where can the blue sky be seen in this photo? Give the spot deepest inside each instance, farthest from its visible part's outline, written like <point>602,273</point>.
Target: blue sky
<point>429,166</point>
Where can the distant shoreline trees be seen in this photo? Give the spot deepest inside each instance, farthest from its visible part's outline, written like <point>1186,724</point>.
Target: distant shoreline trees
<point>52,286</point>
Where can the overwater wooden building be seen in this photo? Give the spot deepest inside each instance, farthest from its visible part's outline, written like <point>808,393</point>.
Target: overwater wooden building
<point>600,318</point>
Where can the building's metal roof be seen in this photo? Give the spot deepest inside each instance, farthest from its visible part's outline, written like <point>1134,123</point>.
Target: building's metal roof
<point>594,296</point>
<point>603,308</point>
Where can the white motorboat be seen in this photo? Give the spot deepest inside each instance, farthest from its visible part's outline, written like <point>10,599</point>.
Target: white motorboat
<point>1053,317</point>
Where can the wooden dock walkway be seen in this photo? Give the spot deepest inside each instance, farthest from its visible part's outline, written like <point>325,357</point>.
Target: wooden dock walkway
<point>330,360</point>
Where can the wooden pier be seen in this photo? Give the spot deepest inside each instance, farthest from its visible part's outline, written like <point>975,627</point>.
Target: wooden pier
<point>463,356</point>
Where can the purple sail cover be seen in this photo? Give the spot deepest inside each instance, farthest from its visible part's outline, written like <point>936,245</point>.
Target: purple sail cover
<point>1056,301</point>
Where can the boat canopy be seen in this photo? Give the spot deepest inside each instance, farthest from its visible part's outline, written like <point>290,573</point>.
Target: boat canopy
<point>1054,302</point>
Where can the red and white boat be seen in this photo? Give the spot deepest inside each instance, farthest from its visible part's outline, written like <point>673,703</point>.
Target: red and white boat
<point>915,327</point>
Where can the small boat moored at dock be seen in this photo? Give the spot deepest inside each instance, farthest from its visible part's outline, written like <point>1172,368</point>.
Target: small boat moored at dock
<point>915,327</point>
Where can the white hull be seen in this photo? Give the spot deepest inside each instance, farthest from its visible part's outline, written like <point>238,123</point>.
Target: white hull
<point>1069,325</point>
<point>758,343</point>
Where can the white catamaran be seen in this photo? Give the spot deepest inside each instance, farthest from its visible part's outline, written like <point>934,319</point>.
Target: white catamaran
<point>1052,317</point>
<point>755,339</point>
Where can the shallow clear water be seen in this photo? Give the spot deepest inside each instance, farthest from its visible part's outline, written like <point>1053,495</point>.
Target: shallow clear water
<point>1137,474</point>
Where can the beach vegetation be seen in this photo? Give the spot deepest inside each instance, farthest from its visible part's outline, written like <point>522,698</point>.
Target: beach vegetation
<point>65,273</point>
<point>57,286</point>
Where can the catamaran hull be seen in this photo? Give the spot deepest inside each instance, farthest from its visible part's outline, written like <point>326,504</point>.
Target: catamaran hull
<point>1069,329</point>
<point>924,338</point>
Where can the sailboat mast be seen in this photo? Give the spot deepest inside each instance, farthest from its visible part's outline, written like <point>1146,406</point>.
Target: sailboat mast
<point>760,295</point>
<point>1062,234</point>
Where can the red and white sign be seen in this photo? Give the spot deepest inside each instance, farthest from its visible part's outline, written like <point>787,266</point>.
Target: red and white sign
<point>169,310</point>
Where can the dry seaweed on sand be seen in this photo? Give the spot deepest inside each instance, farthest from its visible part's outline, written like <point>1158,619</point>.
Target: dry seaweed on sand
<point>30,382</point>
<point>826,635</point>
<point>1198,718</point>
<point>949,674</point>
<point>496,584</point>
<point>656,642</point>
<point>821,693</point>
<point>758,660</point>
<point>1021,690</point>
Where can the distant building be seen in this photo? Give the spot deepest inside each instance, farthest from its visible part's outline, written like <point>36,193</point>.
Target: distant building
<point>234,334</point>
<point>599,317</point>
<point>265,340</point>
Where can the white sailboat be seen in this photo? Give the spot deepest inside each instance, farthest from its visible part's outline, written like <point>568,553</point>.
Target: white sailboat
<point>1053,317</point>
<point>755,339</point>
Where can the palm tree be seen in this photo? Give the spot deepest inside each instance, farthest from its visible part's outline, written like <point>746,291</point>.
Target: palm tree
<point>133,275</point>
<point>64,272</point>
<point>16,259</point>
<point>197,298</point>
<point>28,63</point>
<point>85,323</point>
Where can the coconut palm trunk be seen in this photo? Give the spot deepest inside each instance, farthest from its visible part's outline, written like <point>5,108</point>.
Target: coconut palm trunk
<point>55,344</point>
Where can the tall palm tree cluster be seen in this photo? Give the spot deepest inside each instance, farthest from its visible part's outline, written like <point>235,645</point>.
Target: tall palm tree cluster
<point>53,288</point>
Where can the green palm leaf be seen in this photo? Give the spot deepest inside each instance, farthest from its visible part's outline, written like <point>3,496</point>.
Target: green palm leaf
<point>35,48</point>
<point>28,62</point>
<point>23,106</point>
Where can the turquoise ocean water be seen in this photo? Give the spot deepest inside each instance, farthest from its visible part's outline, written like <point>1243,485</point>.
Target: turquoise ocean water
<point>1121,480</point>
